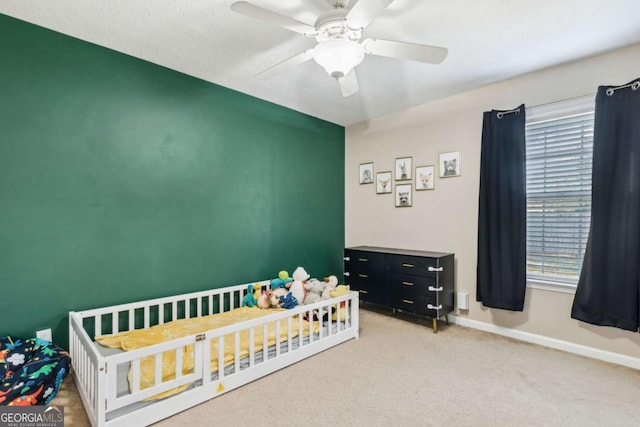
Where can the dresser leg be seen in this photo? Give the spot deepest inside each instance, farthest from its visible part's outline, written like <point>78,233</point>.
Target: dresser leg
<point>435,326</point>
<point>446,319</point>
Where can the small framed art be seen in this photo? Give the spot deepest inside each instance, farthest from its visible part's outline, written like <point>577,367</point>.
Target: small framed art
<point>383,182</point>
<point>366,173</point>
<point>403,196</point>
<point>425,178</point>
<point>449,164</point>
<point>403,169</point>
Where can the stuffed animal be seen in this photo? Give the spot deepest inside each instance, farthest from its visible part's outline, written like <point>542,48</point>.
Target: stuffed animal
<point>314,289</point>
<point>341,312</point>
<point>263,300</point>
<point>297,286</point>
<point>282,280</point>
<point>274,297</point>
<point>288,301</point>
<point>253,293</point>
<point>332,282</point>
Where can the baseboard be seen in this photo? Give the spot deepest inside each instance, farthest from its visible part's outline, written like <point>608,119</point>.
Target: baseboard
<point>582,350</point>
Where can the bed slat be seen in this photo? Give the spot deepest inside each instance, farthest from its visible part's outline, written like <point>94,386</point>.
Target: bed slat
<point>277,338</point>
<point>179,362</point>
<point>221,357</point>
<point>135,376</point>
<point>158,368</point>
<point>114,322</point>
<point>98,324</point>
<point>236,351</point>
<point>252,347</point>
<point>147,317</point>
<point>265,337</point>
<point>290,334</point>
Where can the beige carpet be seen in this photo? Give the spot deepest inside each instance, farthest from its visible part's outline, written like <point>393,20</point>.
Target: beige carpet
<point>401,374</point>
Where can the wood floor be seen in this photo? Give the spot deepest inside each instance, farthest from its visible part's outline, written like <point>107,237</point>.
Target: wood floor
<point>68,397</point>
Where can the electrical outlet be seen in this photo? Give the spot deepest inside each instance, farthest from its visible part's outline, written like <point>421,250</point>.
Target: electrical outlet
<point>44,334</point>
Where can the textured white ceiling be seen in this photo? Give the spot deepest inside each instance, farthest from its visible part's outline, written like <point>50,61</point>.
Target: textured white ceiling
<point>488,41</point>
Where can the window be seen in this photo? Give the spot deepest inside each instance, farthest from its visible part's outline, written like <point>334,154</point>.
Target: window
<point>559,150</point>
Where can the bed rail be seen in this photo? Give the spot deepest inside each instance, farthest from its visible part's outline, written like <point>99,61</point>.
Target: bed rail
<point>144,314</point>
<point>88,367</point>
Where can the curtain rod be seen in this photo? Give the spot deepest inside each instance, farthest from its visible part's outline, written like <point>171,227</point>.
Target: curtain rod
<point>501,114</point>
<point>633,85</point>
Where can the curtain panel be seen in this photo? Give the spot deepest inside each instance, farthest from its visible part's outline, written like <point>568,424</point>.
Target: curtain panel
<point>607,292</point>
<point>502,216</point>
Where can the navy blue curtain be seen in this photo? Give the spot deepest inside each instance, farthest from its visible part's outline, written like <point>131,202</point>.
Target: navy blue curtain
<point>502,216</point>
<point>607,291</point>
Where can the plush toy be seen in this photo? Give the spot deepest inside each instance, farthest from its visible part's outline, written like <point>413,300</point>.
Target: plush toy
<point>314,289</point>
<point>282,280</point>
<point>341,312</point>
<point>288,301</point>
<point>297,286</point>
<point>263,300</point>
<point>274,297</point>
<point>253,293</point>
<point>332,282</point>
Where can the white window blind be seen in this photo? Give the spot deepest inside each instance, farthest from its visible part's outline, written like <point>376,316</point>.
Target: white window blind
<point>559,153</point>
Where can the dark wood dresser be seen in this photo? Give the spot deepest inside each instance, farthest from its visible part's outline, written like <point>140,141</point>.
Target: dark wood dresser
<point>412,281</point>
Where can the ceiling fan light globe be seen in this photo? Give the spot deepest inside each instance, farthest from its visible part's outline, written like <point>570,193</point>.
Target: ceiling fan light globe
<point>338,56</point>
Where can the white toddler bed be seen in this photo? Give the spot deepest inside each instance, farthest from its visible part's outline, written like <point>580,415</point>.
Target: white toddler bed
<point>197,367</point>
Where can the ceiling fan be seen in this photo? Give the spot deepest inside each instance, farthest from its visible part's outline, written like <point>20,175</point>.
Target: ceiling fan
<point>339,35</point>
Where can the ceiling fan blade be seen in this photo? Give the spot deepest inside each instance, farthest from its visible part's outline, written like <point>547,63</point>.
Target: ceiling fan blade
<point>349,84</point>
<point>285,65</point>
<point>364,11</point>
<point>271,17</point>
<point>403,50</point>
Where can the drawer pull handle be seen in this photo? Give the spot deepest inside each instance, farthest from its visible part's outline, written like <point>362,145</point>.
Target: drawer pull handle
<point>431,288</point>
<point>363,259</point>
<point>407,283</point>
<point>433,307</point>
<point>408,265</point>
<point>363,292</point>
<point>363,276</point>
<point>435,269</point>
<point>346,273</point>
<point>347,258</point>
<point>407,301</point>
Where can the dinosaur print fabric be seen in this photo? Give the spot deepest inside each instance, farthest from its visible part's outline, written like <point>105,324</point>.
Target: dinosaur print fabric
<point>31,371</point>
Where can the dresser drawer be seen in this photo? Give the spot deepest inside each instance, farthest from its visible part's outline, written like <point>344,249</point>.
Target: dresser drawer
<point>370,287</point>
<point>411,284</point>
<point>363,261</point>
<point>416,304</point>
<point>411,265</point>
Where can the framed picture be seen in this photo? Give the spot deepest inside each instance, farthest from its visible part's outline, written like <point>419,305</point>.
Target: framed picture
<point>425,178</point>
<point>449,164</point>
<point>383,182</point>
<point>366,173</point>
<point>403,169</point>
<point>403,196</point>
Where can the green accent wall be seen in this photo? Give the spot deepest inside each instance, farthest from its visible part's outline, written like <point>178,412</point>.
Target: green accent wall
<point>121,180</point>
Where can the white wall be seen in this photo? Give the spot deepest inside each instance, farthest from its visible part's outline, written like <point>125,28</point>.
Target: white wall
<point>445,219</point>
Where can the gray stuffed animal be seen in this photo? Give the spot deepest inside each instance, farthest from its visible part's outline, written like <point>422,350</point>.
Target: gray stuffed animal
<point>314,288</point>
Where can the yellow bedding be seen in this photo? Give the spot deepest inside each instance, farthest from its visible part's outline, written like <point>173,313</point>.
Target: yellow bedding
<point>139,338</point>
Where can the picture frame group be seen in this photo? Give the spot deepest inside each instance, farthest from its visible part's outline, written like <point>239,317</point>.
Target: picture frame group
<point>403,179</point>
